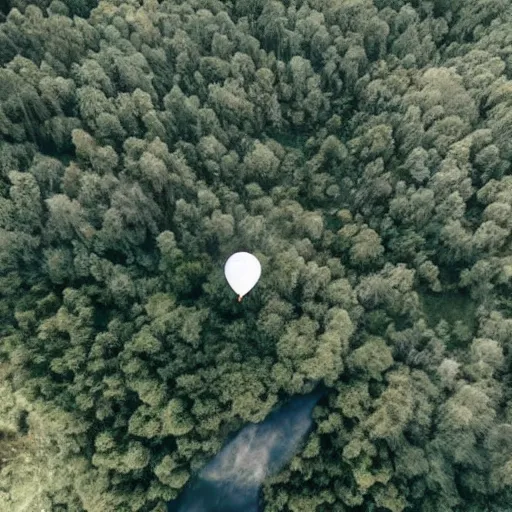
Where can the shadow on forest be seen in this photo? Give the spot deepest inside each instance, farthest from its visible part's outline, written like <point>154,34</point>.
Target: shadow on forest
<point>232,480</point>
<point>450,306</point>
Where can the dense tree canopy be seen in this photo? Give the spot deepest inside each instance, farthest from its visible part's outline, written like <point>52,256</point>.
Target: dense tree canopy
<point>360,149</point>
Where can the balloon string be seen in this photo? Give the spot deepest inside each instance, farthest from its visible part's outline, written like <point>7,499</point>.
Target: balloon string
<point>240,298</point>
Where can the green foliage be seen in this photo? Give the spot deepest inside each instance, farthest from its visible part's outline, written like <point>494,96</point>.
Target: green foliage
<point>372,358</point>
<point>360,149</point>
<point>175,420</point>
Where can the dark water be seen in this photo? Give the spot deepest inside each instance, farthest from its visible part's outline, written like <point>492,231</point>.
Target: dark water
<point>231,482</point>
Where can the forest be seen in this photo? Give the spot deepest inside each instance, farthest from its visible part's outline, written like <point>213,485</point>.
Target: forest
<point>360,149</point>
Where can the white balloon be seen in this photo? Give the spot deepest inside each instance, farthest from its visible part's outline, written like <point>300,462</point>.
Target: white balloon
<point>242,271</point>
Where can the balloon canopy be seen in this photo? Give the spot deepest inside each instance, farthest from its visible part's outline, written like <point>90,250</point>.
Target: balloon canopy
<point>242,271</point>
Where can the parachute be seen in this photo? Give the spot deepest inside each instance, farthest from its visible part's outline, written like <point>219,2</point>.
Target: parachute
<point>242,271</point>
